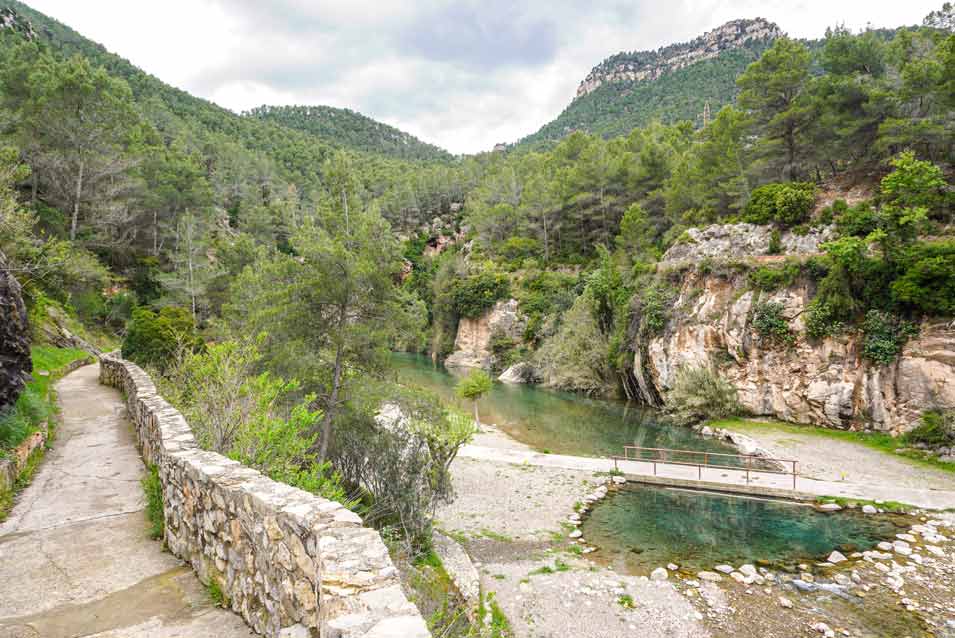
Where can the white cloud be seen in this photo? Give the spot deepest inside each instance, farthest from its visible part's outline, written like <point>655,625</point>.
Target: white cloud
<point>462,75</point>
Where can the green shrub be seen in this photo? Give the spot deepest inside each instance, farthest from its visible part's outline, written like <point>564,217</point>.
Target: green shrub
<point>700,393</point>
<point>656,303</point>
<point>884,336</point>
<point>770,278</point>
<point>787,204</point>
<point>936,430</point>
<point>771,325</point>
<point>927,284</point>
<point>821,320</point>
<point>475,294</point>
<point>155,510</point>
<point>775,243</point>
<point>153,339</point>
<point>858,221</point>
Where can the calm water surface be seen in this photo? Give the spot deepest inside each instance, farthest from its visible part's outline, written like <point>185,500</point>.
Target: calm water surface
<point>640,528</point>
<point>558,422</point>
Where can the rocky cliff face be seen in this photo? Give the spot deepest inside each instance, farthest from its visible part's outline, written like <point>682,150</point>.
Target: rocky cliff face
<point>649,65</point>
<point>15,363</point>
<point>472,345</point>
<point>722,241</point>
<point>823,382</point>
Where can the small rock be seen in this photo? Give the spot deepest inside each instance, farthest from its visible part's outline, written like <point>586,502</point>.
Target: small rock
<point>829,507</point>
<point>659,573</point>
<point>785,602</point>
<point>709,576</point>
<point>748,570</point>
<point>823,629</point>
<point>673,567</point>
<point>869,509</point>
<point>836,557</point>
<point>575,534</point>
<point>724,569</point>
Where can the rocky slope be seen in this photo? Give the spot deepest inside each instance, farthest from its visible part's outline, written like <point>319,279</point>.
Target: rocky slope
<point>825,382</point>
<point>638,66</point>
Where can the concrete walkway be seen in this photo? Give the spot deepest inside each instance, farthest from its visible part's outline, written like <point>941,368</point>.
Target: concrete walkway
<point>719,479</point>
<point>75,555</point>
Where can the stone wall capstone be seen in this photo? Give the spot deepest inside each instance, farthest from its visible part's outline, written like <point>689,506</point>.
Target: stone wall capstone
<point>292,564</point>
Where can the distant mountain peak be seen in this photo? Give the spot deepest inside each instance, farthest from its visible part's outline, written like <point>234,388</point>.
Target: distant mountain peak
<point>638,66</point>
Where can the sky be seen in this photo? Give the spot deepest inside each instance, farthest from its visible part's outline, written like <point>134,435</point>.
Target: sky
<point>461,75</point>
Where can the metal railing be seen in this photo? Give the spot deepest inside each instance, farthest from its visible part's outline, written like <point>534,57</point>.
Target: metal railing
<point>747,463</point>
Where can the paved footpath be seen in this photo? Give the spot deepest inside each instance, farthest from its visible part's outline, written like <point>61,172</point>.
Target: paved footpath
<point>75,555</point>
<point>711,478</point>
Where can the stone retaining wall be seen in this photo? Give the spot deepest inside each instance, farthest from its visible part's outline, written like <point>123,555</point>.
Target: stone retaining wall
<point>294,565</point>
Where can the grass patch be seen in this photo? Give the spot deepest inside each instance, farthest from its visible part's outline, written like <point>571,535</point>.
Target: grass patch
<point>434,592</point>
<point>216,595</point>
<point>155,513</point>
<point>499,626</point>
<point>886,443</point>
<point>36,404</point>
<point>495,536</point>
<point>559,566</point>
<point>626,601</point>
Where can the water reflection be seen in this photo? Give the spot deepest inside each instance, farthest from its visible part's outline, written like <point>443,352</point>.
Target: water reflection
<point>641,528</point>
<point>559,422</point>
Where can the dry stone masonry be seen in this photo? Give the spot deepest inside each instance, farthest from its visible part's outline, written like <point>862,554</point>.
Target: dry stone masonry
<point>292,564</point>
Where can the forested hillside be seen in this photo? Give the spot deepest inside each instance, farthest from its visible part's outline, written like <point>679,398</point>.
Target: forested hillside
<point>278,260</point>
<point>350,129</point>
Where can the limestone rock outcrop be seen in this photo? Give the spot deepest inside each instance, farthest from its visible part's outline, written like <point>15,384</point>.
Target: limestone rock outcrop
<point>640,66</point>
<point>472,345</point>
<point>522,372</point>
<point>15,362</point>
<point>825,382</point>
<point>720,241</point>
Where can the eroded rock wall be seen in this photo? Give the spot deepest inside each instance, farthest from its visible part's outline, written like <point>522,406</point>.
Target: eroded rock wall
<point>292,564</point>
<point>825,382</point>
<point>472,345</point>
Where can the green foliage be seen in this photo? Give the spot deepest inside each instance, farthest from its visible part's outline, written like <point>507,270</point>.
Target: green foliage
<point>153,339</point>
<point>36,405</point>
<point>937,429</point>
<point>474,386</point>
<point>477,293</point>
<point>700,393</point>
<point>927,283</point>
<point>216,595</point>
<point>577,356</point>
<point>771,324</point>
<point>885,336</point>
<point>251,417</point>
<point>856,221</point>
<point>656,302</point>
<point>771,278</point>
<point>822,319</point>
<point>155,509</point>
<point>350,129</point>
<point>616,108</point>
<point>398,445</point>
<point>913,183</point>
<point>775,243</point>
<point>786,204</point>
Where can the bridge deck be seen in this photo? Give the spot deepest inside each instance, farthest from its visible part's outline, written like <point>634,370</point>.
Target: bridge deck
<point>729,480</point>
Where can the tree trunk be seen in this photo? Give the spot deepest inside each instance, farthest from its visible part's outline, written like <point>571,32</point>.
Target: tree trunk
<point>477,418</point>
<point>156,233</point>
<point>330,406</point>
<point>76,202</point>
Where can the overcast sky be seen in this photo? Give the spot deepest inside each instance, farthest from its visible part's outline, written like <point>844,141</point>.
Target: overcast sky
<point>461,75</point>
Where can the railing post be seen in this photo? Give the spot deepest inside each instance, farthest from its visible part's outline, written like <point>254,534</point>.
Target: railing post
<point>654,468</point>
<point>699,472</point>
<point>749,462</point>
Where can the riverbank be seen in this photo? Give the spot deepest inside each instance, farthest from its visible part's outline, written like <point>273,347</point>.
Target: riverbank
<point>511,518</point>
